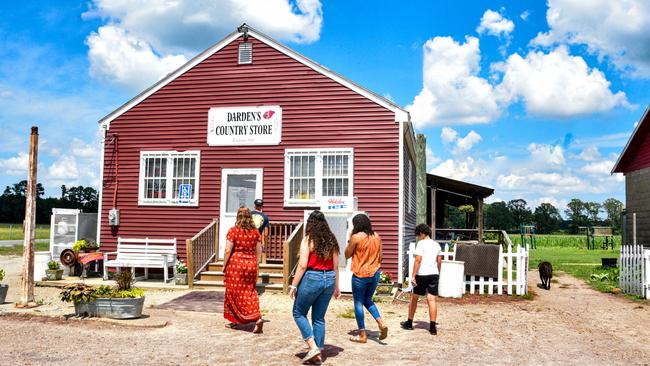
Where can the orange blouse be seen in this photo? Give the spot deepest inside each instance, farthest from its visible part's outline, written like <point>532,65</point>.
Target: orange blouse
<point>366,258</point>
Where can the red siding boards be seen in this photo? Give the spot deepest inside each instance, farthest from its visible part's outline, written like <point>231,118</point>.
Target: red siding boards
<point>317,112</point>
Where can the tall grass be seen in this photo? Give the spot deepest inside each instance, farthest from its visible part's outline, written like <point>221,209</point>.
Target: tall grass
<point>15,231</point>
<point>565,241</point>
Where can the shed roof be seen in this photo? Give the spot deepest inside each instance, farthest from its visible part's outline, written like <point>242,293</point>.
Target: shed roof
<point>401,115</point>
<point>458,187</point>
<point>633,144</point>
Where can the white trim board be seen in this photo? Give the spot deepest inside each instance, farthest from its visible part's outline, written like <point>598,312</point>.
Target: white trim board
<point>401,115</point>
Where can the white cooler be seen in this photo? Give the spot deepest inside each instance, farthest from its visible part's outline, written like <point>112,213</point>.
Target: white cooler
<point>451,282</point>
<point>40,264</point>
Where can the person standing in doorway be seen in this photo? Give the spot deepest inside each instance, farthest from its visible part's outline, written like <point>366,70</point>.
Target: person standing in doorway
<point>262,223</point>
<point>240,267</point>
<point>365,249</point>
<point>315,282</point>
<point>425,276</point>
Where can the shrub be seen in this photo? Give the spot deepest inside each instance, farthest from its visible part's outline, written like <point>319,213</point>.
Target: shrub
<point>131,293</point>
<point>2,274</point>
<point>124,280</point>
<point>181,267</point>
<point>386,277</point>
<point>82,244</point>
<point>77,293</point>
<point>53,265</point>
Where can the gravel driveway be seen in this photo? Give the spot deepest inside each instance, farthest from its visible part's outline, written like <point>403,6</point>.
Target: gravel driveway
<point>571,324</point>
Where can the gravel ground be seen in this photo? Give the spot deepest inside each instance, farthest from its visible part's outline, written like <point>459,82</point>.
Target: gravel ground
<point>571,324</point>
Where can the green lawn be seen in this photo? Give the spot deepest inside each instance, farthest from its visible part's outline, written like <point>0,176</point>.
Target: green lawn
<point>15,232</point>
<point>574,241</point>
<point>581,263</point>
<point>18,249</point>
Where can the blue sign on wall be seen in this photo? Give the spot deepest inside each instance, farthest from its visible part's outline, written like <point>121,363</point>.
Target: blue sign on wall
<point>184,193</point>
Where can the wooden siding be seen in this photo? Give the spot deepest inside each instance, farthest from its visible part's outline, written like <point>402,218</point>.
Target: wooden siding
<point>410,214</point>
<point>637,200</point>
<point>317,112</point>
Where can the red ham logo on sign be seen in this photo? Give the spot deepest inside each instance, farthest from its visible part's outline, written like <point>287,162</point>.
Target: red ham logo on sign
<point>268,114</point>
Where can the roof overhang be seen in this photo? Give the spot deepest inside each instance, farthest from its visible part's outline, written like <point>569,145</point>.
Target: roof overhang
<point>401,115</point>
<point>618,167</point>
<point>459,187</point>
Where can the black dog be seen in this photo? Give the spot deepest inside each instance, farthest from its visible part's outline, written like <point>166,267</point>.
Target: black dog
<point>546,273</point>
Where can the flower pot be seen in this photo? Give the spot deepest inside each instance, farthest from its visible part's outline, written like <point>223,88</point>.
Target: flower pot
<point>111,308</point>
<point>3,293</point>
<point>181,279</point>
<point>54,274</point>
<point>384,289</point>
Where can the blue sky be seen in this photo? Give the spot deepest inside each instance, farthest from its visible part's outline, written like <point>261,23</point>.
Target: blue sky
<point>533,99</point>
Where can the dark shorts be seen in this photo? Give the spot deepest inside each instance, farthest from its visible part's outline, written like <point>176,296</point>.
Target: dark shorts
<point>426,284</point>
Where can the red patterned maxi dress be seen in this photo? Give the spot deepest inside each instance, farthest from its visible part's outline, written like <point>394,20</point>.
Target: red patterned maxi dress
<point>242,305</point>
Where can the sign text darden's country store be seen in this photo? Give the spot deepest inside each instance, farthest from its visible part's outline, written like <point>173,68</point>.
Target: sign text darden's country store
<point>232,126</point>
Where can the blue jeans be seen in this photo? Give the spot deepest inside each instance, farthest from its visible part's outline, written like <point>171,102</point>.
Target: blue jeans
<point>362,291</point>
<point>315,291</point>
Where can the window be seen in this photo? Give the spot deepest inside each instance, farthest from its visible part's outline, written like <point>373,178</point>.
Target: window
<point>163,172</point>
<point>312,174</point>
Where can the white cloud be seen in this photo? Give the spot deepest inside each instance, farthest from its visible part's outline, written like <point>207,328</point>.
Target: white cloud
<point>64,169</point>
<point>617,30</point>
<point>432,159</point>
<point>448,135</point>
<point>464,144</point>
<point>549,183</point>
<point>15,165</point>
<point>546,155</point>
<point>589,153</point>
<point>560,204</point>
<point>524,16</point>
<point>466,169</point>
<point>120,58</point>
<point>556,84</point>
<point>453,92</point>
<point>83,150</point>
<point>493,23</point>
<point>600,167</point>
<point>144,40</point>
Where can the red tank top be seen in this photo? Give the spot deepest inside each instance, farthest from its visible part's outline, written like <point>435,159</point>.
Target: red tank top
<point>314,262</point>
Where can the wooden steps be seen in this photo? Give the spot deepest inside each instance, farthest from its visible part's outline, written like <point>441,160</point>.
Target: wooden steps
<point>270,276</point>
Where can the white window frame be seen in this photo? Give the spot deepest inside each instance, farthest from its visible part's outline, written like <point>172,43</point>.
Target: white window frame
<point>318,153</point>
<point>169,155</point>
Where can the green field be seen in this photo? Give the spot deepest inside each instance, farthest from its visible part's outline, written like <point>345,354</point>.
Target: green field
<point>15,232</point>
<point>581,263</point>
<point>566,241</point>
<point>18,249</point>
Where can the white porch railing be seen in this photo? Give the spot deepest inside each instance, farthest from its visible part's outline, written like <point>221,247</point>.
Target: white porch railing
<point>513,262</point>
<point>634,276</point>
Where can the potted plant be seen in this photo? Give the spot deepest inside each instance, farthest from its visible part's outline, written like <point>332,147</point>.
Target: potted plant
<point>53,271</point>
<point>181,273</point>
<point>84,245</point>
<point>385,285</point>
<point>120,302</point>
<point>3,288</point>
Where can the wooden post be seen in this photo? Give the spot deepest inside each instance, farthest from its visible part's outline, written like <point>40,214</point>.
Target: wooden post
<point>480,220</point>
<point>27,281</point>
<point>433,213</point>
<point>216,239</point>
<point>190,263</point>
<point>421,179</point>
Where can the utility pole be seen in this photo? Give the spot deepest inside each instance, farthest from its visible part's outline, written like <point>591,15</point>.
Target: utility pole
<point>27,281</point>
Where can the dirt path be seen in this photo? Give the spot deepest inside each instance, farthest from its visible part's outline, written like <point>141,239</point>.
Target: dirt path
<point>571,324</point>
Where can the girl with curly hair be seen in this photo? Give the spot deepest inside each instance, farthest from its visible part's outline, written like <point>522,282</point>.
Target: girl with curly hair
<point>316,281</point>
<point>240,266</point>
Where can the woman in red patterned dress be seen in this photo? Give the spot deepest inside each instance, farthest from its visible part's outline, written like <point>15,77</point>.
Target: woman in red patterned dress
<point>240,267</point>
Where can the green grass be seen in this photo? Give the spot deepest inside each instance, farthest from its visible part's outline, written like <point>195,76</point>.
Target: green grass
<point>580,263</point>
<point>18,249</point>
<point>565,241</point>
<point>15,232</point>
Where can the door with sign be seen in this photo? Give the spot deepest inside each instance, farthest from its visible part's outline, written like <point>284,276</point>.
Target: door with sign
<point>239,187</point>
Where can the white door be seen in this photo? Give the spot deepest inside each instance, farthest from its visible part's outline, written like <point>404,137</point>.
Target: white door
<point>238,187</point>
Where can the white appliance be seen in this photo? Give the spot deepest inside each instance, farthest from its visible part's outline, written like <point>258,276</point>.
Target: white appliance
<point>340,222</point>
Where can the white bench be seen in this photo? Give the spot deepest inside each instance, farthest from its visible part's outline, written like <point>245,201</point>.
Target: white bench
<point>143,253</point>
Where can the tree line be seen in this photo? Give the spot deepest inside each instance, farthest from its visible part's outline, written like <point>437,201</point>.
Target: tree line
<point>12,202</point>
<point>547,219</point>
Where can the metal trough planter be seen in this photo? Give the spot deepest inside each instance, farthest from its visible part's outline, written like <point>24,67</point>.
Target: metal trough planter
<point>3,293</point>
<point>111,308</point>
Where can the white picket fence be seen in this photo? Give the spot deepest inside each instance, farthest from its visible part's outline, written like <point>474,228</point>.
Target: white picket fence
<point>514,262</point>
<point>634,269</point>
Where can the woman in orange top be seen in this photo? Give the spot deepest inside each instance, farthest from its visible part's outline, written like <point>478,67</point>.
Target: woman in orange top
<point>241,256</point>
<point>365,249</point>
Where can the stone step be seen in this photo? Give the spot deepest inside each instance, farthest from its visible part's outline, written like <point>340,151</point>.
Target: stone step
<point>263,277</point>
<point>264,268</point>
<point>219,284</point>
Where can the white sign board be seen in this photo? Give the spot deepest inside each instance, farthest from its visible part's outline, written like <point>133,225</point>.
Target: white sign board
<point>337,204</point>
<point>237,126</point>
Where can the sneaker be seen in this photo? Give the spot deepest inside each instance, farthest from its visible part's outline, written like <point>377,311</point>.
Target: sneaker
<point>433,330</point>
<point>312,355</point>
<point>406,325</point>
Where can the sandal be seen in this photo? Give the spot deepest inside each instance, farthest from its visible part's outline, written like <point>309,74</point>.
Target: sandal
<point>231,325</point>
<point>259,326</point>
<point>358,339</point>
<point>383,333</point>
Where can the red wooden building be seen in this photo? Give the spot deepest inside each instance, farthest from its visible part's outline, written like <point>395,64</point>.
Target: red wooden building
<point>250,118</point>
<point>634,162</point>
